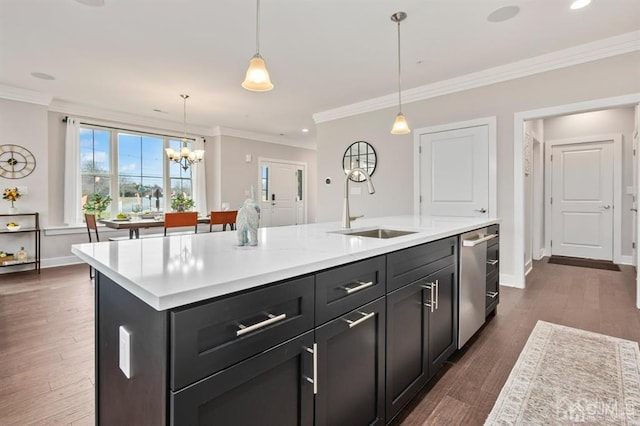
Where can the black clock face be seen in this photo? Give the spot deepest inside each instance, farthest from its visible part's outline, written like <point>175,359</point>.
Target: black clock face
<point>16,161</point>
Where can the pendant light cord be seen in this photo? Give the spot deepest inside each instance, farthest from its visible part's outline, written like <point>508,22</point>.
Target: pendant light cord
<point>399,74</point>
<point>258,27</point>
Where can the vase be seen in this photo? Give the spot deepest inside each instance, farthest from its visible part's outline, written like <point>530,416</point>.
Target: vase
<point>13,209</point>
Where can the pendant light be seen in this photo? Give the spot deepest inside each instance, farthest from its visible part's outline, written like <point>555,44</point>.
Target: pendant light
<point>257,78</point>
<point>400,126</point>
<point>184,156</point>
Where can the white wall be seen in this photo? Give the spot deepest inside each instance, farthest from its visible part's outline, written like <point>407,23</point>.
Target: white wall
<point>25,125</point>
<point>618,120</point>
<point>394,178</point>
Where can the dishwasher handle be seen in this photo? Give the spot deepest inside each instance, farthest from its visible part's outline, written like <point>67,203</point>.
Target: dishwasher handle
<point>476,241</point>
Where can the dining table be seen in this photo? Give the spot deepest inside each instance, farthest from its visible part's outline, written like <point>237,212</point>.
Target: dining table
<point>135,224</point>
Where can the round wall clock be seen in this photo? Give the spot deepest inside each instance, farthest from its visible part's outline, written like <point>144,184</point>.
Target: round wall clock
<point>361,155</point>
<point>16,161</point>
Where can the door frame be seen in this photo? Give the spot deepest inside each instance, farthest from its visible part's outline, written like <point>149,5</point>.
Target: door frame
<point>617,186</point>
<point>490,122</point>
<point>305,192</point>
<point>518,278</point>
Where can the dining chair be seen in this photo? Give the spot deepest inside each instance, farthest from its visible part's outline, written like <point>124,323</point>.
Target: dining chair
<point>181,219</point>
<point>92,225</point>
<point>224,218</point>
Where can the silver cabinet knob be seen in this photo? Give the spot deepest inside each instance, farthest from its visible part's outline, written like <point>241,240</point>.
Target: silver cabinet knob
<point>481,210</point>
<point>606,207</point>
<point>634,210</point>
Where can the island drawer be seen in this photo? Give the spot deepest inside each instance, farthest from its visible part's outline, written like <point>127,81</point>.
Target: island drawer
<point>343,289</point>
<point>207,338</point>
<point>409,265</point>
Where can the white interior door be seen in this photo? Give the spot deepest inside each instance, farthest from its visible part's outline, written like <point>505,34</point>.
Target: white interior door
<point>454,172</point>
<point>282,201</point>
<point>582,200</point>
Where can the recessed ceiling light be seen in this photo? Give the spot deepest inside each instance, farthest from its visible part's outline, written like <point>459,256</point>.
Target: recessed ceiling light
<point>579,4</point>
<point>305,130</point>
<point>42,76</point>
<point>92,3</point>
<point>503,14</point>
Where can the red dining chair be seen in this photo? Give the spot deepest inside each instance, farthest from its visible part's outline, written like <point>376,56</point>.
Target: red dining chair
<point>180,220</point>
<point>223,218</point>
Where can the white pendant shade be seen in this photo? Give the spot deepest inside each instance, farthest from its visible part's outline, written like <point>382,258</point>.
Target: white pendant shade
<point>400,125</point>
<point>257,78</point>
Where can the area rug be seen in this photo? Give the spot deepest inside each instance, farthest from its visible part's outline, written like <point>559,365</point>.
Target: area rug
<point>567,376</point>
<point>585,263</point>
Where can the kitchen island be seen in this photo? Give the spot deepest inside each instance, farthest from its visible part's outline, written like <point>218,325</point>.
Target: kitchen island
<point>302,329</point>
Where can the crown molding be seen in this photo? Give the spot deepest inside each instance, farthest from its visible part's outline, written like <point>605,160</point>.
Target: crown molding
<point>600,49</point>
<point>25,95</point>
<point>261,137</point>
<point>104,115</point>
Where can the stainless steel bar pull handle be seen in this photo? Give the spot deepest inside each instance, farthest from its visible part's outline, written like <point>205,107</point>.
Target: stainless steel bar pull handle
<point>365,317</point>
<point>481,210</point>
<point>313,381</point>
<point>492,262</point>
<point>248,329</point>
<point>362,285</point>
<point>606,207</point>
<point>437,283</point>
<point>492,294</point>
<point>432,302</point>
<point>633,210</point>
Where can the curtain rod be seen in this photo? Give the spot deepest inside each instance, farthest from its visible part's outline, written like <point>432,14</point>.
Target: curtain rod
<point>66,118</point>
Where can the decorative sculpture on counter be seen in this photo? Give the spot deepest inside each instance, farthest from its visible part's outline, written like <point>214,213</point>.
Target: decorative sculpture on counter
<point>247,223</point>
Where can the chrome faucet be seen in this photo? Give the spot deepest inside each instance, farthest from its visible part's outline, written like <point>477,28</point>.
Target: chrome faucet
<point>346,218</point>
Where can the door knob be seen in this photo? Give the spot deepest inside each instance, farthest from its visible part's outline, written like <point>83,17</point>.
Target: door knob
<point>606,207</point>
<point>634,210</point>
<point>481,210</point>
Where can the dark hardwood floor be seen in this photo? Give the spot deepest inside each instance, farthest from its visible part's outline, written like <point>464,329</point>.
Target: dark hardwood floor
<point>46,342</point>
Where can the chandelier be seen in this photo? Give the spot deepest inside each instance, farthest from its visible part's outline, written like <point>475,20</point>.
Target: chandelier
<point>185,156</point>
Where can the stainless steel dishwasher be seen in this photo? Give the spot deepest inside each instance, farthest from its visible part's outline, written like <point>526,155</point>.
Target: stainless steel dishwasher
<point>473,282</point>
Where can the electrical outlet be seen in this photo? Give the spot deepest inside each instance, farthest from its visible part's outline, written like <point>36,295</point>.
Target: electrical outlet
<point>125,351</point>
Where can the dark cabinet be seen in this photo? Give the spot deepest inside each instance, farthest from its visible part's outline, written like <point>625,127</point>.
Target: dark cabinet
<point>443,316</point>
<point>493,271</point>
<point>272,388</point>
<point>407,344</point>
<point>351,363</point>
<point>421,334</point>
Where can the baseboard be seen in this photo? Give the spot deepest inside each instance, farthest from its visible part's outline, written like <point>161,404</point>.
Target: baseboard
<point>53,262</point>
<point>510,281</point>
<point>626,260</point>
<point>528,267</point>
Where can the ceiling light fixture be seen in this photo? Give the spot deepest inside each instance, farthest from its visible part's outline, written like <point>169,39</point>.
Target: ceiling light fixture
<point>579,4</point>
<point>257,78</point>
<point>185,157</point>
<point>305,130</point>
<point>400,126</point>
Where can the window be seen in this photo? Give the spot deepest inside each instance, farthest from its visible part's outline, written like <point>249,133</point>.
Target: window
<point>264,183</point>
<point>95,162</point>
<point>132,168</point>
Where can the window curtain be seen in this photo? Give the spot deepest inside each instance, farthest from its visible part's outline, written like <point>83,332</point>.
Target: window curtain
<point>72,178</point>
<point>199,180</point>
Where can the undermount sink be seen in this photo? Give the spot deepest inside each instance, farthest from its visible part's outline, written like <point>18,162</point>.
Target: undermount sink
<point>377,233</point>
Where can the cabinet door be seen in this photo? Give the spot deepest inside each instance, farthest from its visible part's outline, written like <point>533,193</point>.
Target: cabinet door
<point>407,344</point>
<point>351,351</point>
<point>268,389</point>
<point>443,318</point>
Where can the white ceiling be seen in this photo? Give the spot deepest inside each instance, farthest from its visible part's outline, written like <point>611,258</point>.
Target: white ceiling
<point>134,56</point>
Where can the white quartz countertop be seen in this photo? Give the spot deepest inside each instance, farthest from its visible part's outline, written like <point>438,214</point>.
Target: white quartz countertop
<point>167,272</point>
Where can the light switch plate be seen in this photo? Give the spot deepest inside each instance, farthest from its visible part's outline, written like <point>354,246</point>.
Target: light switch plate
<point>125,351</point>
